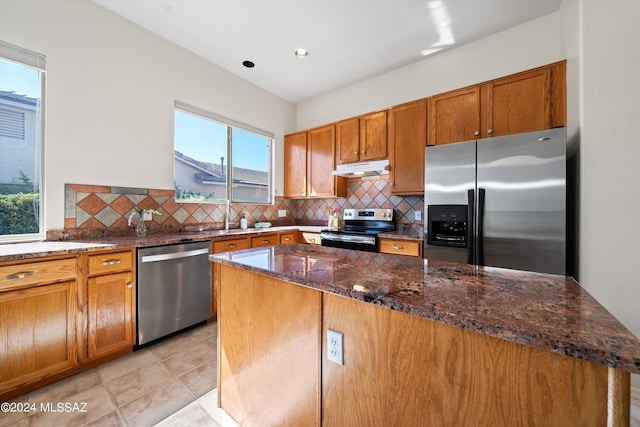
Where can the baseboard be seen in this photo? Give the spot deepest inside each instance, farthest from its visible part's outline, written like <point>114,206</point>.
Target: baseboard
<point>635,396</point>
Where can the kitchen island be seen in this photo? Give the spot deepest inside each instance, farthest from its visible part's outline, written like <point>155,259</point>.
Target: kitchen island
<point>423,341</point>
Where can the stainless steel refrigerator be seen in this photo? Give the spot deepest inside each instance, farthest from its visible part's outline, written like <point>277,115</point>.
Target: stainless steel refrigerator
<point>498,202</point>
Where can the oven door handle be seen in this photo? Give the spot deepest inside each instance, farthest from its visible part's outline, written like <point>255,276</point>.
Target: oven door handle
<point>369,240</point>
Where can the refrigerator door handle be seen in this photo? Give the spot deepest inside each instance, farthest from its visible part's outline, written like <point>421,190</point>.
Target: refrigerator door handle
<point>470,241</point>
<point>480,236</point>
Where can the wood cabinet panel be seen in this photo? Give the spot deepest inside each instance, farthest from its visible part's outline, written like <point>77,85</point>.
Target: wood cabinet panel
<point>310,238</point>
<point>320,158</point>
<point>288,237</point>
<point>407,142</point>
<point>373,136</point>
<point>295,160</point>
<point>400,368</point>
<point>110,262</point>
<point>33,273</point>
<point>263,240</point>
<point>400,247</point>
<point>38,334</point>
<point>269,347</point>
<point>348,141</point>
<point>111,313</point>
<point>231,245</point>
<point>517,104</point>
<point>454,116</point>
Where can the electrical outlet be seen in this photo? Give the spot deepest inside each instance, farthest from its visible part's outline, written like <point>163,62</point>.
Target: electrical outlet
<point>334,347</point>
<point>417,215</point>
<point>282,213</point>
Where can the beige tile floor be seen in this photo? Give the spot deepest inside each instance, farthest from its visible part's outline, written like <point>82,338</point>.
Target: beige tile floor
<point>168,384</point>
<point>140,389</point>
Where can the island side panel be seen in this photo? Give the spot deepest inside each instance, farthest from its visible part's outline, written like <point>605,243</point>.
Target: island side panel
<point>400,368</point>
<point>269,350</point>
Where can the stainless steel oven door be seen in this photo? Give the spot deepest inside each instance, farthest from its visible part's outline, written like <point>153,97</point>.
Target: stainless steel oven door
<point>360,242</point>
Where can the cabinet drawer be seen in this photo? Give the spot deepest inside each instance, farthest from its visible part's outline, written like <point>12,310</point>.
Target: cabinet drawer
<point>113,261</point>
<point>400,247</point>
<point>288,238</point>
<point>35,273</point>
<point>230,245</point>
<point>311,238</point>
<point>258,241</point>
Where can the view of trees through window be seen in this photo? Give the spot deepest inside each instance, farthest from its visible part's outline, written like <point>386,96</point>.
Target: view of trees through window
<point>20,145</point>
<point>208,151</point>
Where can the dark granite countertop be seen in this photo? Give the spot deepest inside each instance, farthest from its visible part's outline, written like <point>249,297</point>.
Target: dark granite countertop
<point>28,250</point>
<point>549,312</point>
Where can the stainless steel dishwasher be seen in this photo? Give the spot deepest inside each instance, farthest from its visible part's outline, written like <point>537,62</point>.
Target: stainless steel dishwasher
<point>174,289</point>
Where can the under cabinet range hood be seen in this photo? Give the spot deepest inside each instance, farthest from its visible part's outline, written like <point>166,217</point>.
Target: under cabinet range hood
<point>354,170</point>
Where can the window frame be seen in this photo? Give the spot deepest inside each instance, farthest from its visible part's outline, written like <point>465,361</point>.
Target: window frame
<point>35,61</point>
<point>231,124</point>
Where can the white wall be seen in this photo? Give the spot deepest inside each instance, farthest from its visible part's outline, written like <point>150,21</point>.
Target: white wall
<point>110,92</point>
<point>526,46</point>
<point>610,154</point>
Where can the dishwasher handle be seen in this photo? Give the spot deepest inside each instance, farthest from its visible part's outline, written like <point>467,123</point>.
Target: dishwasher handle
<point>174,255</point>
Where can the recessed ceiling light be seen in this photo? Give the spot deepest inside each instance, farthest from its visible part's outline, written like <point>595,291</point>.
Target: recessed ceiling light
<point>248,64</point>
<point>301,53</point>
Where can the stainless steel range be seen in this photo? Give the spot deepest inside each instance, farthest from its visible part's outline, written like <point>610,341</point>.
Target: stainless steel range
<point>361,229</point>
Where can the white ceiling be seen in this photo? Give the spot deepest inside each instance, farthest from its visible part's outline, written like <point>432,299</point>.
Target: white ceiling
<point>348,40</point>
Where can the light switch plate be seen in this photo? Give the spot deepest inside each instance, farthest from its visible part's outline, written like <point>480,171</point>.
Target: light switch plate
<point>147,216</point>
<point>282,213</point>
<point>417,215</point>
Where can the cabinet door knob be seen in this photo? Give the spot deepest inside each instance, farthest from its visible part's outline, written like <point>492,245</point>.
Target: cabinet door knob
<point>130,285</point>
<point>355,153</point>
<point>476,133</point>
<point>363,151</point>
<point>490,131</point>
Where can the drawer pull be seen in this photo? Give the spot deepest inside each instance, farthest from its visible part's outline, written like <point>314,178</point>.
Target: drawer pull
<point>231,246</point>
<point>312,240</point>
<point>111,262</point>
<point>130,285</point>
<point>397,247</point>
<point>287,238</point>
<point>265,241</point>
<point>20,275</point>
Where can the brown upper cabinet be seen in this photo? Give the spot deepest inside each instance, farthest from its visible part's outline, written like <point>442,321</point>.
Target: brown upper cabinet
<point>362,138</point>
<point>524,102</point>
<point>454,116</point>
<point>407,142</point>
<point>295,161</point>
<point>309,159</point>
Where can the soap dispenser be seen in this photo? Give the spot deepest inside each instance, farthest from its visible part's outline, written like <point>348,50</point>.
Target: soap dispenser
<point>243,222</point>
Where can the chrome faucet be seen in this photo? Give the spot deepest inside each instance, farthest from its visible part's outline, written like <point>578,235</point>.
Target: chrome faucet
<point>226,216</point>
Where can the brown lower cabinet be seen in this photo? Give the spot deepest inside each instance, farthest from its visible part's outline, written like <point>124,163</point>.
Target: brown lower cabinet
<point>399,369</point>
<point>400,247</point>
<point>60,315</point>
<point>111,303</point>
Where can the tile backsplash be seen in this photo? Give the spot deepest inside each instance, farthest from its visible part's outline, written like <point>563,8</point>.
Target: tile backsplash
<point>107,209</point>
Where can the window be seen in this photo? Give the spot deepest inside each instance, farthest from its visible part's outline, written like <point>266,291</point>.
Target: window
<point>22,80</point>
<point>208,149</point>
